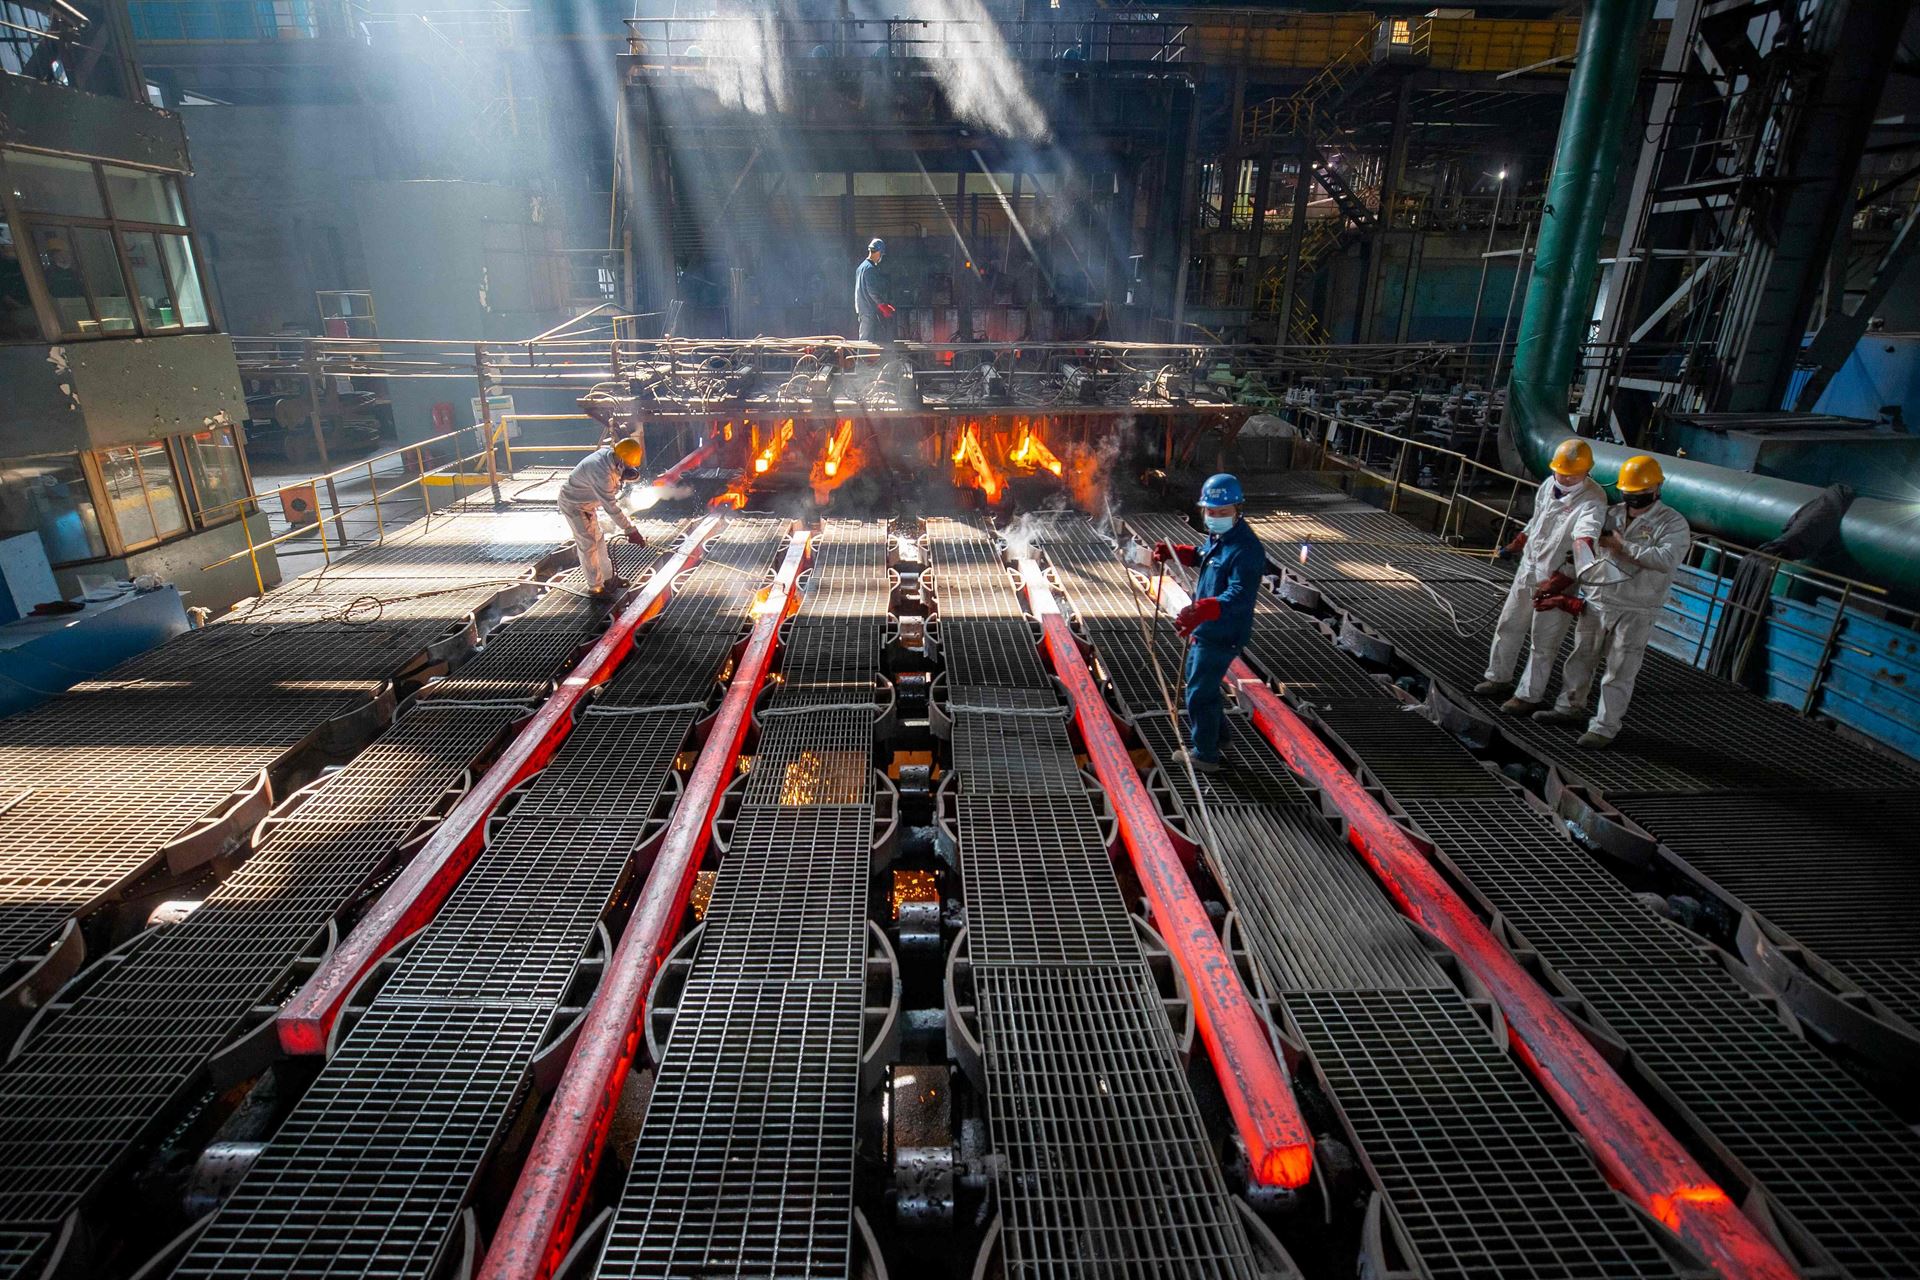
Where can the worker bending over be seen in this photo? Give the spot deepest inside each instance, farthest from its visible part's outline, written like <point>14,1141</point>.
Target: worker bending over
<point>1219,622</point>
<point>594,486</point>
<point>1642,544</point>
<point>1567,501</point>
<point>873,312</point>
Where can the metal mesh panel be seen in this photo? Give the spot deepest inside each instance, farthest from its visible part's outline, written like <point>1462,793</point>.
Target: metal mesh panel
<point>520,919</point>
<point>1314,918</point>
<point>790,902</point>
<point>367,1175</point>
<point>1411,765</point>
<point>1039,883</point>
<point>1106,1168</point>
<point>746,1159</point>
<point>816,757</point>
<point>1775,852</point>
<point>1477,1168</point>
<point>1015,754</point>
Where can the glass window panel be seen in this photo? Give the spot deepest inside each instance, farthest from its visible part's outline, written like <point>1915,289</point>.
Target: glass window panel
<point>218,477</point>
<point>163,489</point>
<point>100,267</point>
<point>127,495</point>
<point>60,269</point>
<point>50,184</point>
<point>49,496</point>
<point>178,251</point>
<point>150,281</point>
<point>17,318</point>
<point>139,196</point>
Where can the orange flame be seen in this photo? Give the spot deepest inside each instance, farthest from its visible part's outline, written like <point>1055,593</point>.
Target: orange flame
<point>837,447</point>
<point>763,462</point>
<point>1032,453</point>
<point>973,469</point>
<point>838,461</point>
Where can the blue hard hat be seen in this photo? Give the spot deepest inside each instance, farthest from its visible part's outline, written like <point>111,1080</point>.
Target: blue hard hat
<point>876,245</point>
<point>1222,490</point>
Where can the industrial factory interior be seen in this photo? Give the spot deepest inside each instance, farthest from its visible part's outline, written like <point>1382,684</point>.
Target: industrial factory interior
<point>959,640</point>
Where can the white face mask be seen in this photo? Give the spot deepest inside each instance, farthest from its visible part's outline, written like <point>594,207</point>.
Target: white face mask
<point>1217,524</point>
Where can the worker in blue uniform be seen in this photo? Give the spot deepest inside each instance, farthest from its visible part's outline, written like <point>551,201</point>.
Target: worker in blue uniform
<point>873,312</point>
<point>1219,622</point>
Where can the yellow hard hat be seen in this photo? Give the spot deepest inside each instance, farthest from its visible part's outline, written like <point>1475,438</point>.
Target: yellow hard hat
<point>1640,473</point>
<point>630,452</point>
<point>1574,457</point>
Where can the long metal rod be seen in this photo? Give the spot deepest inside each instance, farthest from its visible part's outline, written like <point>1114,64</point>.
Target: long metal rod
<point>541,1218</point>
<point>418,891</point>
<point>1258,1093</point>
<point>1634,1149</point>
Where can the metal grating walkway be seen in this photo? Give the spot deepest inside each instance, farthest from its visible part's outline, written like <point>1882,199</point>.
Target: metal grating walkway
<point>745,1162</point>
<point>369,1172</point>
<point>1478,1172</point>
<point>1838,1165</point>
<point>1106,1166</point>
<point>125,764</point>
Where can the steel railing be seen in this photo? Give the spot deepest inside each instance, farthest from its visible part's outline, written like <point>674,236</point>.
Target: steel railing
<point>1460,485</point>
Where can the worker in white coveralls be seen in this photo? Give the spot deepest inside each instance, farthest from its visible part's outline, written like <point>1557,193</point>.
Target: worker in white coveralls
<point>1548,557</point>
<point>1643,542</point>
<point>592,487</point>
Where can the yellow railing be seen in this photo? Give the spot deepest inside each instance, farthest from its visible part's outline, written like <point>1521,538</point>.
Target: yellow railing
<point>483,469</point>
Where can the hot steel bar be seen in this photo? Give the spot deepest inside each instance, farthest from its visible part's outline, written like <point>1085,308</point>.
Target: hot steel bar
<point>1642,1158</point>
<point>1279,1144</point>
<point>539,1223</point>
<point>418,891</point>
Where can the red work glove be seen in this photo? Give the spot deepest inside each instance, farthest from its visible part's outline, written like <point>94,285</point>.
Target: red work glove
<point>636,537</point>
<point>1186,553</point>
<point>1191,617</point>
<point>885,309</point>
<point>1554,586</point>
<point>1566,604</point>
<point>1514,548</point>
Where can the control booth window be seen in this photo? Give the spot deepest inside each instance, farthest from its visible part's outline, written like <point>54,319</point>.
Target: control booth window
<point>143,493</point>
<point>219,476</point>
<point>49,496</point>
<point>110,244</point>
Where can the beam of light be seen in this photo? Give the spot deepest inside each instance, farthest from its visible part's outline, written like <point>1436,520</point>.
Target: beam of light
<point>1019,228</point>
<point>980,77</point>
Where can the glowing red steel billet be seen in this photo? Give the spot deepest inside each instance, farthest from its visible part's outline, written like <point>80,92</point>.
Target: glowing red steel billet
<point>1279,1144</point>
<point>689,463</point>
<point>1634,1149</point>
<point>430,876</point>
<point>539,1224</point>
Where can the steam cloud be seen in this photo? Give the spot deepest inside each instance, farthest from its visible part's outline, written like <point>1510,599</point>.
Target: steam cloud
<point>980,77</point>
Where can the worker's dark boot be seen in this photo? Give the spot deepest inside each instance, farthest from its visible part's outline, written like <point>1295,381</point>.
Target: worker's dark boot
<point>1493,689</point>
<point>1564,719</point>
<point>1520,707</point>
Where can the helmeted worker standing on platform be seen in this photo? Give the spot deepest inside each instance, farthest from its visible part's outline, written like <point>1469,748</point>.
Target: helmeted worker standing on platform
<point>874,313</point>
<point>1219,622</point>
<point>592,487</point>
<point>1567,505</point>
<point>1642,543</point>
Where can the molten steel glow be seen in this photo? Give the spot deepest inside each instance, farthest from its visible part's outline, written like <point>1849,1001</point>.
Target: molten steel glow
<point>1032,453</point>
<point>972,467</point>
<point>763,462</point>
<point>837,447</point>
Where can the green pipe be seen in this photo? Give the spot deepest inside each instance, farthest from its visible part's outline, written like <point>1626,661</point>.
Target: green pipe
<point>1880,540</point>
